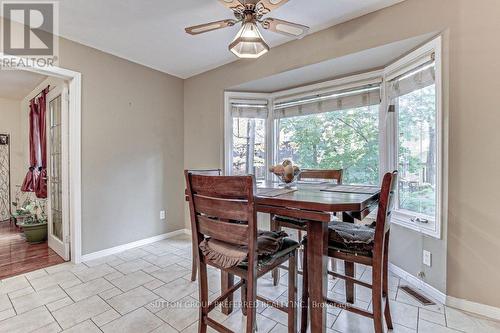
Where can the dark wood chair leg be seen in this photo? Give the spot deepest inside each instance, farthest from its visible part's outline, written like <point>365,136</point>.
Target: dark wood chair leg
<point>333,265</point>
<point>385,284</point>
<point>292,294</point>
<point>244,302</point>
<point>349,286</point>
<point>227,281</point>
<point>377,299</point>
<point>300,251</point>
<point>251,304</point>
<point>304,303</point>
<point>202,325</point>
<point>349,267</point>
<point>194,266</point>
<point>276,272</point>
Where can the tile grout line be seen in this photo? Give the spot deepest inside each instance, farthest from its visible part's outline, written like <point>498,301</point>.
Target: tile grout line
<point>93,322</point>
<point>11,303</point>
<point>55,320</point>
<point>418,317</point>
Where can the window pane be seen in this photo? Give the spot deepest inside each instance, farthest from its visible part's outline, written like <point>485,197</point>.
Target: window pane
<point>249,147</point>
<point>55,166</point>
<point>417,160</point>
<point>347,139</point>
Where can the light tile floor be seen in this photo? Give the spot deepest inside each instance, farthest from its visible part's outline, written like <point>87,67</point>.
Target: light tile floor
<point>129,291</point>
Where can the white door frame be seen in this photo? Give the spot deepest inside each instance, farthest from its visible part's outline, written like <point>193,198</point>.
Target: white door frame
<point>74,80</point>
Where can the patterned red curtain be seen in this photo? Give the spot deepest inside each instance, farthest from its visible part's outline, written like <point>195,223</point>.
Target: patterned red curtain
<point>31,177</point>
<point>41,184</point>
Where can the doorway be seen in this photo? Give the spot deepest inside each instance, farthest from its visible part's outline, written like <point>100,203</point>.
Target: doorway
<point>63,207</point>
<point>23,198</point>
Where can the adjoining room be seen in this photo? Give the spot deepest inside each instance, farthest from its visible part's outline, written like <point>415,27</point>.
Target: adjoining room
<point>32,137</point>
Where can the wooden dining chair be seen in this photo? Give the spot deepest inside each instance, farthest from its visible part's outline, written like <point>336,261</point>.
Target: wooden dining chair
<point>224,230</point>
<point>206,172</point>
<point>366,245</point>
<point>279,221</point>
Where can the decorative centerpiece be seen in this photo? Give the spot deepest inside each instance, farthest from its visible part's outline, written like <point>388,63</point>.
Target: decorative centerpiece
<point>286,172</point>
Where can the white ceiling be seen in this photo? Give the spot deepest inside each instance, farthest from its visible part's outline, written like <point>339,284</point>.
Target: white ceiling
<point>151,32</point>
<point>334,68</point>
<point>17,84</point>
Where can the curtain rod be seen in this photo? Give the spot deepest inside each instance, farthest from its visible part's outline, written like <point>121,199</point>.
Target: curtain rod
<point>48,89</point>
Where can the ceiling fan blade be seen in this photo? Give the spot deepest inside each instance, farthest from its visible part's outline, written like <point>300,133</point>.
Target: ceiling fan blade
<point>285,27</point>
<point>272,4</point>
<point>234,5</point>
<point>199,29</point>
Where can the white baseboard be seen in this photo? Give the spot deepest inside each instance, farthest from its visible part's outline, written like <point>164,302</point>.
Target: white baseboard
<point>473,307</point>
<point>416,282</point>
<point>128,246</point>
<point>457,303</point>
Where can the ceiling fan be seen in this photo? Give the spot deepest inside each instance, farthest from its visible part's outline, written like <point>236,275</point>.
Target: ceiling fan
<point>249,42</point>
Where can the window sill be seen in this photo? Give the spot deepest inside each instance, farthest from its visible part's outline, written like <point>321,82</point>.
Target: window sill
<point>431,229</point>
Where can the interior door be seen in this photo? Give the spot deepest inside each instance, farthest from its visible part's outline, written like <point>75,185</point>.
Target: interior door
<point>58,171</point>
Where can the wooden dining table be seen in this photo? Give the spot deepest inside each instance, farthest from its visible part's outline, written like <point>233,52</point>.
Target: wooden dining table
<point>314,202</point>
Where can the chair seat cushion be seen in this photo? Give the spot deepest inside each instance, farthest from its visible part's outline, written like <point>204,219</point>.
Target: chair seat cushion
<point>351,238</point>
<point>270,245</point>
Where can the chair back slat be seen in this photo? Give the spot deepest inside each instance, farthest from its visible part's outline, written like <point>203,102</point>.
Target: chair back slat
<point>322,174</point>
<point>221,208</point>
<point>386,202</point>
<point>226,187</point>
<point>233,233</point>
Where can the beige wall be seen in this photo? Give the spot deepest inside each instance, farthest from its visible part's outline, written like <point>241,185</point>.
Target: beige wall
<point>472,67</point>
<point>132,148</point>
<point>10,123</point>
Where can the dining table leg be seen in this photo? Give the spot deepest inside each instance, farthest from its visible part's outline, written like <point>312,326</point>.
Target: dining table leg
<point>227,281</point>
<point>317,242</point>
<point>349,269</point>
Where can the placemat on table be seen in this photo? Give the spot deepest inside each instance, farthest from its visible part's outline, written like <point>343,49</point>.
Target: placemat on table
<point>274,192</point>
<point>312,182</point>
<point>352,189</point>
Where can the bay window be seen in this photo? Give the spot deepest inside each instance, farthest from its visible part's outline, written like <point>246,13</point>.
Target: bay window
<point>414,112</point>
<point>367,124</point>
<point>335,131</point>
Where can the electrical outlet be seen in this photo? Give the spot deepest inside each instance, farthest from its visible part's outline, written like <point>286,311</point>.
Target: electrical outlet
<point>162,215</point>
<point>427,256</point>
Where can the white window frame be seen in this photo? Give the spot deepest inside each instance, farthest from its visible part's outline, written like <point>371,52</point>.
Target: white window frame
<point>387,126</point>
<point>228,128</point>
<point>272,133</point>
<point>403,217</point>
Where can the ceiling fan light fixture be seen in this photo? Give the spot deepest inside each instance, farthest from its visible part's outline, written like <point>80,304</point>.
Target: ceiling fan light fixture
<point>248,42</point>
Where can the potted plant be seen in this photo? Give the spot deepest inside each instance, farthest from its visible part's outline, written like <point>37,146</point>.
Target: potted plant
<point>34,223</point>
<point>21,205</point>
